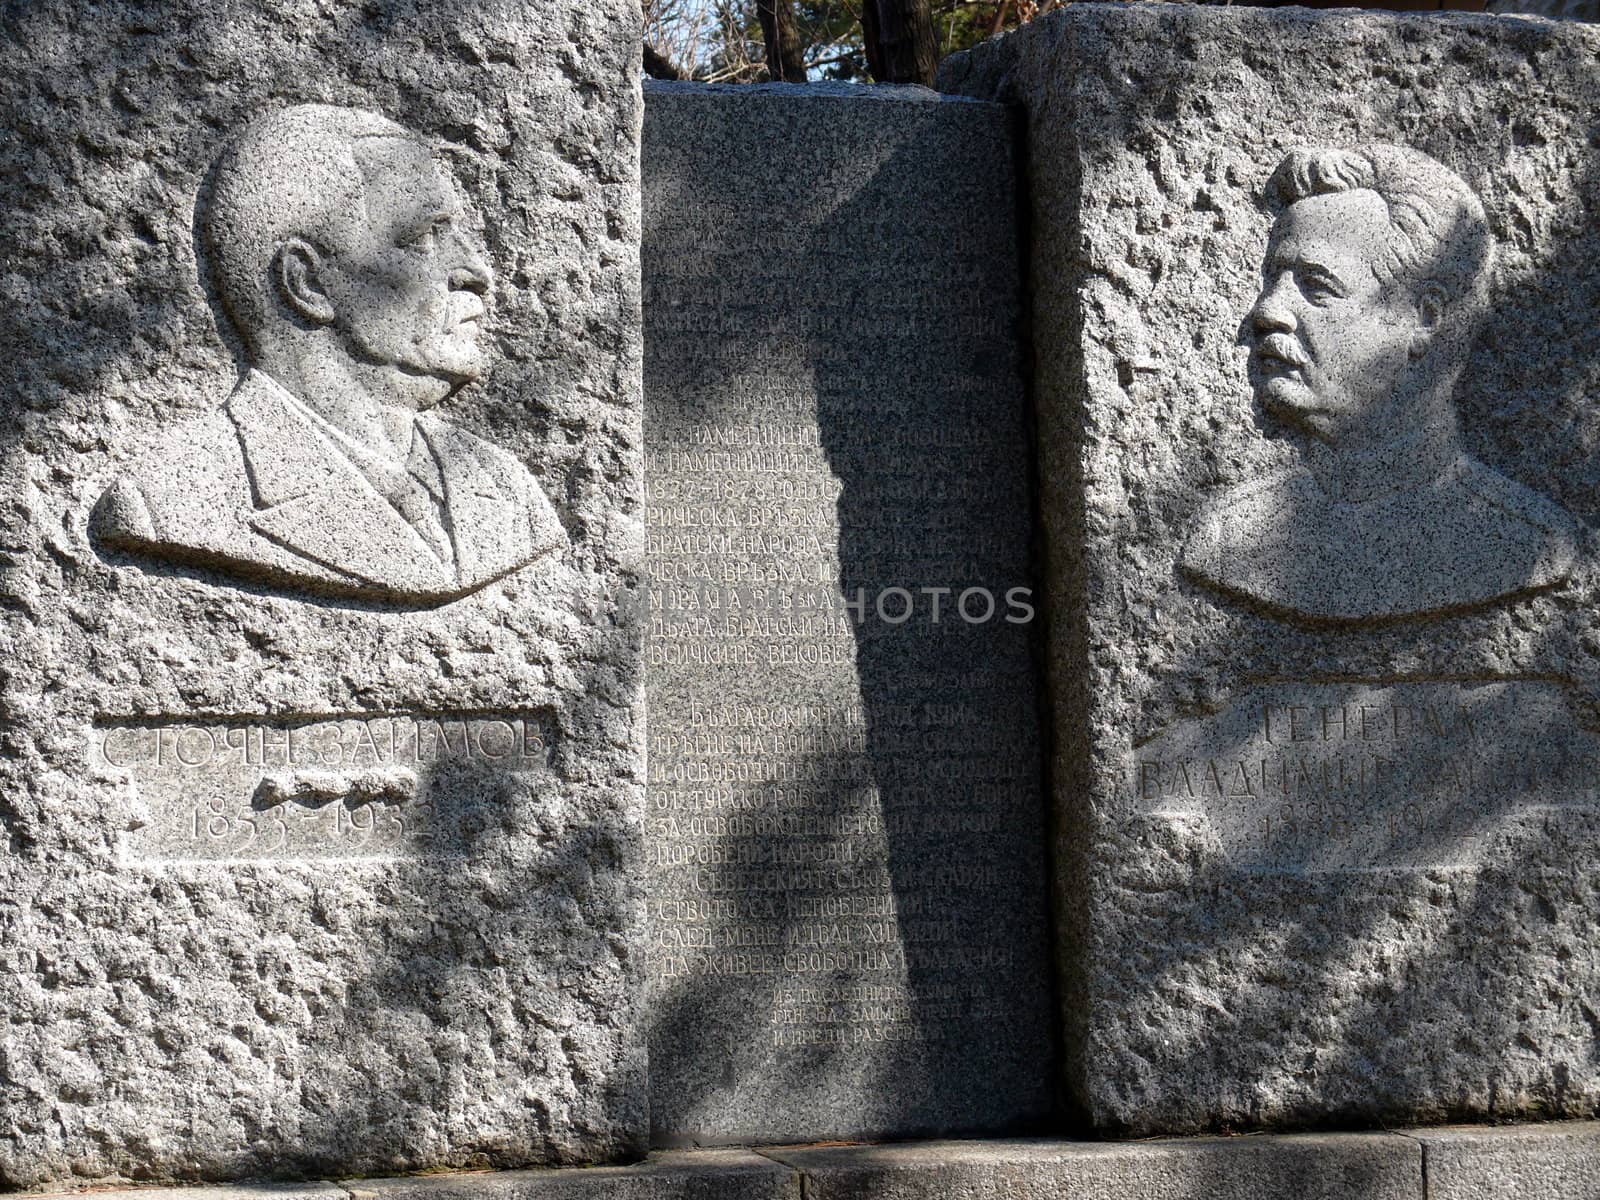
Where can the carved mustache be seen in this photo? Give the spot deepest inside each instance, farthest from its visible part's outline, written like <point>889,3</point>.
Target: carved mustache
<point>468,309</point>
<point>1281,348</point>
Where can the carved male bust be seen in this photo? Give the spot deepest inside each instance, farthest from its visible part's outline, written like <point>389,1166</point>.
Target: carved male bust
<point>1376,283</point>
<point>345,262</point>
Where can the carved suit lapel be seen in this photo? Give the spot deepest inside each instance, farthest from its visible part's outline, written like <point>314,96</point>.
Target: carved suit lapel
<point>500,519</point>
<point>312,500</point>
<point>488,519</point>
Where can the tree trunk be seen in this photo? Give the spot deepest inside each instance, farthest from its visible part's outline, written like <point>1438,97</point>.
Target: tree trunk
<point>870,41</point>
<point>899,41</point>
<point>786,57</point>
<point>658,66</point>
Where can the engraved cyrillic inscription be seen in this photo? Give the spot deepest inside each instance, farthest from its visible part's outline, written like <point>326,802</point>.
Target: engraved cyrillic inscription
<point>354,786</point>
<point>1352,776</point>
<point>845,835</point>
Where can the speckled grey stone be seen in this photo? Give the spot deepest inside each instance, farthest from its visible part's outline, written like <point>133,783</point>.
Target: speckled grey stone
<point>1313,1166</point>
<point>314,1190</point>
<point>1301,538</point>
<point>847,886</point>
<point>306,879</point>
<point>670,1175</point>
<point>1513,1162</point>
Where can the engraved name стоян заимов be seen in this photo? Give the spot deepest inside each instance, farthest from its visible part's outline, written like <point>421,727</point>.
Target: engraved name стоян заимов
<point>328,787</point>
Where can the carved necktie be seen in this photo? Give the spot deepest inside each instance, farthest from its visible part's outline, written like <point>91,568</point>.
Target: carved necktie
<point>416,490</point>
<point>419,497</point>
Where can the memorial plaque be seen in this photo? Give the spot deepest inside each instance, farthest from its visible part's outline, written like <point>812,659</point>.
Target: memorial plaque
<point>1350,777</point>
<point>352,787</point>
<point>847,911</point>
<point>323,779</point>
<point>1313,304</point>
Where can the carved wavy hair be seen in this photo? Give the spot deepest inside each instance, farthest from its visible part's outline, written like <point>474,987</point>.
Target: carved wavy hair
<point>291,173</point>
<point>1438,231</point>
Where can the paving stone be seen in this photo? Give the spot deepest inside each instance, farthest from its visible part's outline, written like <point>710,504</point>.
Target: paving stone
<point>1306,1166</point>
<point>314,1190</point>
<point>1513,1162</point>
<point>668,1175</point>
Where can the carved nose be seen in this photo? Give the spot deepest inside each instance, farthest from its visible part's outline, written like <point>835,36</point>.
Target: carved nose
<point>472,273</point>
<point>1270,315</point>
<point>471,277</point>
<point>1272,312</point>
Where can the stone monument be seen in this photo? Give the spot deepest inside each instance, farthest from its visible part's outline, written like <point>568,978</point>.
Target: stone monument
<point>324,775</point>
<point>846,837</point>
<point>1313,303</point>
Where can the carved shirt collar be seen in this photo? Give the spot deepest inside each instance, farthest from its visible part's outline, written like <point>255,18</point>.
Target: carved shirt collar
<point>415,487</point>
<point>1390,469</point>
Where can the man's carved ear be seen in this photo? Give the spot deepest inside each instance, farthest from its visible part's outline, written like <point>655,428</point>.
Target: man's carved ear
<point>296,269</point>
<point>1431,304</point>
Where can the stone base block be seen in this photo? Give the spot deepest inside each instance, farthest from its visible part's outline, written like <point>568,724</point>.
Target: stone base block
<point>1513,1162</point>
<point>1309,1167</point>
<point>699,1175</point>
<point>1527,1162</point>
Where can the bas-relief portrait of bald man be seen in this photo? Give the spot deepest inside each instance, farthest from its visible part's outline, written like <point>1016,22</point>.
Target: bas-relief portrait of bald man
<point>359,291</point>
<point>1375,286</point>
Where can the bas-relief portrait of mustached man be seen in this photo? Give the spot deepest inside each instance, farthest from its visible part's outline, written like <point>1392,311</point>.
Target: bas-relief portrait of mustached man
<point>1375,285</point>
<point>344,259</point>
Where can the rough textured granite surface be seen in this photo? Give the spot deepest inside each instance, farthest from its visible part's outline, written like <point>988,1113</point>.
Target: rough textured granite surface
<point>847,888</point>
<point>1315,1166</point>
<point>1324,644</point>
<point>294,881</point>
<point>1513,1162</point>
